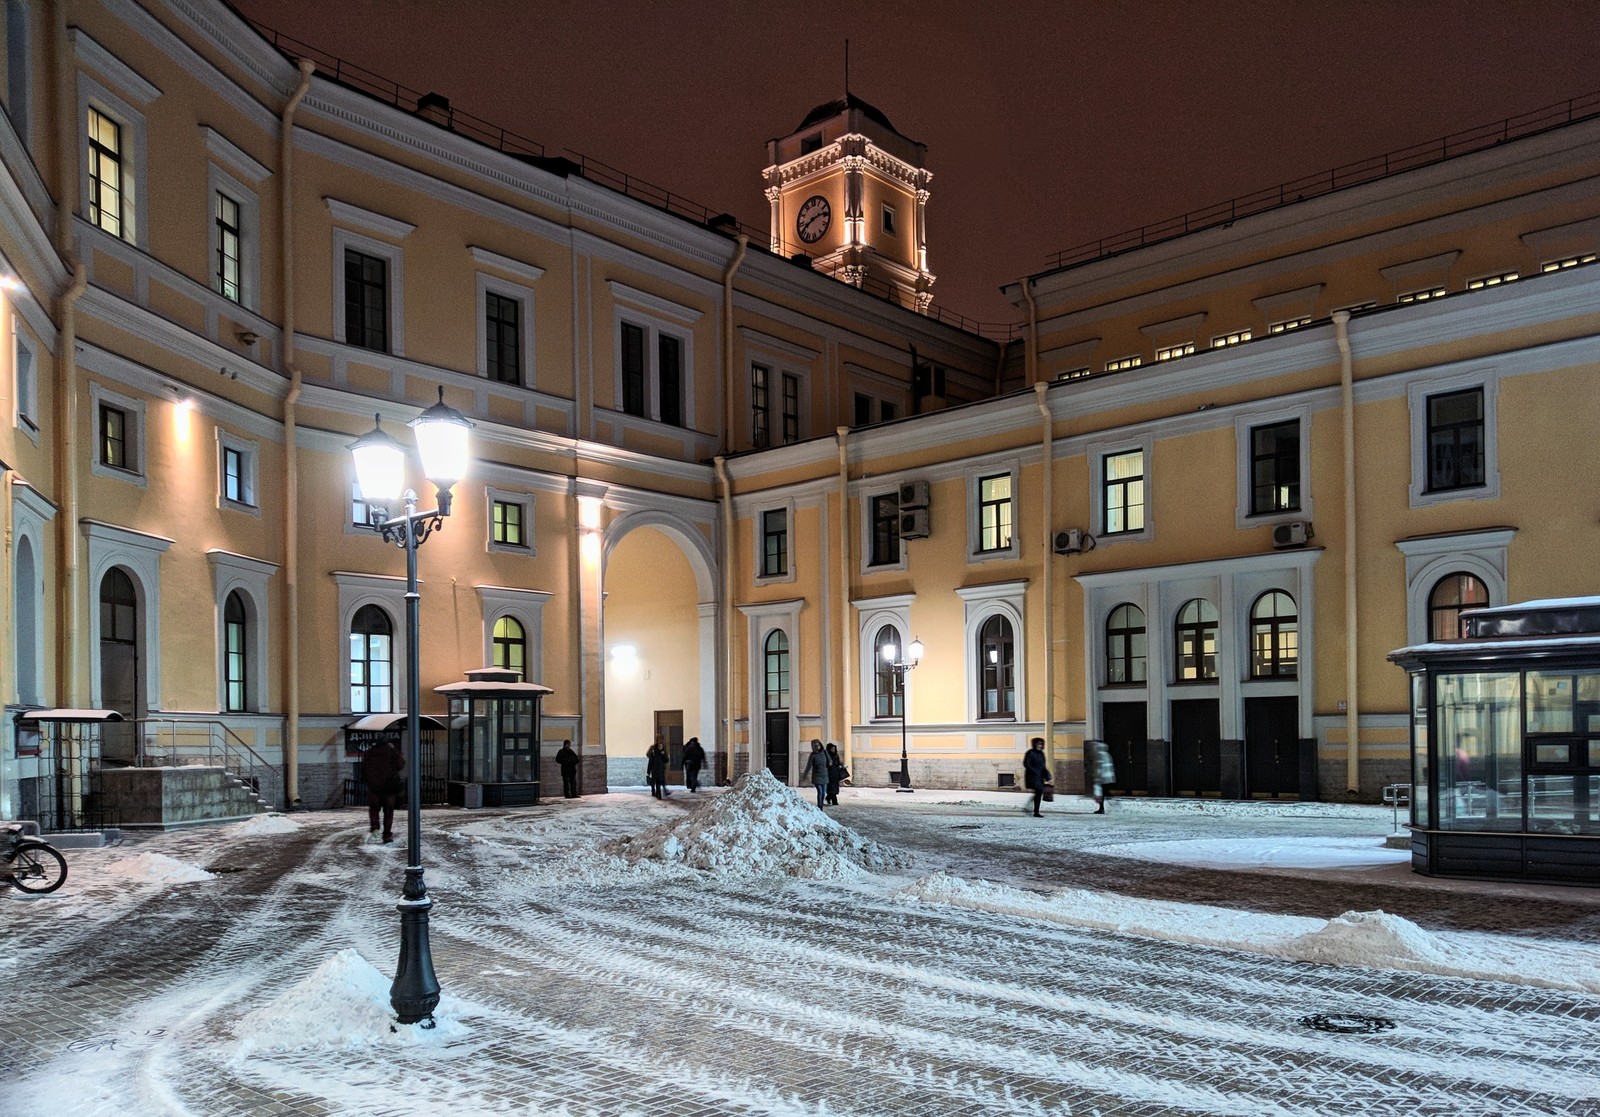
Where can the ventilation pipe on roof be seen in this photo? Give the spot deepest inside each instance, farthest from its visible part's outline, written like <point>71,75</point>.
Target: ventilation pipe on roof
<point>1352,755</point>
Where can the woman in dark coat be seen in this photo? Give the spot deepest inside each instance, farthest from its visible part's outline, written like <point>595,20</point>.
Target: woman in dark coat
<point>694,758</point>
<point>837,773</point>
<point>655,769</point>
<point>1035,774</point>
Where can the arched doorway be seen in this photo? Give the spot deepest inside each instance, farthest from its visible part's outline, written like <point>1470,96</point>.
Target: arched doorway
<point>121,669</point>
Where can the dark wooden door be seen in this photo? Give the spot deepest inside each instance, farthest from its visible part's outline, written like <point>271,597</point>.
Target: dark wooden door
<point>1123,727</point>
<point>669,731</point>
<point>1196,747</point>
<point>1272,747</point>
<point>778,744</point>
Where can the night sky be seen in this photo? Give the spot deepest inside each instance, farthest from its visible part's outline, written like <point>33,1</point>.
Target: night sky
<point>1047,124</point>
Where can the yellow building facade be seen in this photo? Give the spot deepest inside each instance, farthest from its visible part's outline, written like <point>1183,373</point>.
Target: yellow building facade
<point>1188,508</point>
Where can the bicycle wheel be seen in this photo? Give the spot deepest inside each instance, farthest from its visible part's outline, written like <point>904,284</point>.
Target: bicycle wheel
<point>38,867</point>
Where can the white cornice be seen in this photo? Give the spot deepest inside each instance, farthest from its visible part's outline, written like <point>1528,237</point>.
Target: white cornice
<point>233,157</point>
<point>113,69</point>
<point>758,340</point>
<point>238,42</point>
<point>355,217</point>
<point>1301,560</point>
<point>1299,301</point>
<point>232,560</point>
<point>601,249</point>
<point>154,383</point>
<point>655,304</point>
<point>484,257</point>
<point>1454,541</point>
<point>1432,266</point>
<point>1176,328</point>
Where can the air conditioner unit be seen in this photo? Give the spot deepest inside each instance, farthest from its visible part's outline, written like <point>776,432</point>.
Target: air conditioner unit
<point>1292,534</point>
<point>914,494</point>
<point>914,523</point>
<point>1069,542</point>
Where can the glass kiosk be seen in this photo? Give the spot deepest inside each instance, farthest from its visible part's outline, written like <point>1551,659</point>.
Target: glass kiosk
<point>494,739</point>
<point>1505,745</point>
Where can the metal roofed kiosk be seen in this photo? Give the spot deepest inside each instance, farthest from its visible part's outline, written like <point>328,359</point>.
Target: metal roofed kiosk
<point>1505,745</point>
<point>380,461</point>
<point>494,738</point>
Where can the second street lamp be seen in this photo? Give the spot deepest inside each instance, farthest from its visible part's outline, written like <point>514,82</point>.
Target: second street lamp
<point>901,662</point>
<point>380,461</point>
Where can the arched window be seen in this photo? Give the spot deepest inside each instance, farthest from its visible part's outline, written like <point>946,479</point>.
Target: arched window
<point>997,665</point>
<point>27,643</point>
<point>777,671</point>
<point>1451,594</point>
<point>235,642</point>
<point>1196,631</point>
<point>1274,637</point>
<point>119,608</point>
<point>511,646</point>
<point>888,701</point>
<point>371,662</point>
<point>1125,645</point>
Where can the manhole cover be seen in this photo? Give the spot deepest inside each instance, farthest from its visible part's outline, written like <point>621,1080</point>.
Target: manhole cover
<point>1347,1023</point>
<point>226,869</point>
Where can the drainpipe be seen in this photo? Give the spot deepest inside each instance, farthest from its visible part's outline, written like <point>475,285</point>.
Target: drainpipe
<point>69,604</point>
<point>291,462</point>
<point>1046,436</point>
<point>728,693</point>
<point>1031,352</point>
<point>846,660</point>
<point>7,696</point>
<point>1352,759</point>
<point>727,341</point>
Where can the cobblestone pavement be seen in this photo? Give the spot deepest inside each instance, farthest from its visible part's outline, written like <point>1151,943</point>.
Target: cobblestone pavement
<point>692,998</point>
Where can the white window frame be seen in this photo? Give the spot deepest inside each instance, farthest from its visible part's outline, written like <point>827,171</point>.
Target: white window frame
<point>980,603</point>
<point>523,297</point>
<point>1418,393</point>
<point>250,455</point>
<point>1123,364</point>
<point>1483,554</point>
<point>219,181</point>
<point>134,138</point>
<point>867,565</point>
<point>873,614</point>
<point>1232,338</point>
<point>1174,351</point>
<point>759,535</point>
<point>394,277</point>
<point>138,553</point>
<point>975,476</point>
<point>389,594</point>
<point>879,398</point>
<point>1097,453</point>
<point>134,409</point>
<point>525,502</point>
<point>30,512</point>
<point>654,328</point>
<point>247,576</point>
<point>526,607</point>
<point>1243,424</point>
<point>1285,325</point>
<point>25,375</point>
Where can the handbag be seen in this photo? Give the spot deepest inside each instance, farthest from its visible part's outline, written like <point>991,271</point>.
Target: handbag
<point>1049,795</point>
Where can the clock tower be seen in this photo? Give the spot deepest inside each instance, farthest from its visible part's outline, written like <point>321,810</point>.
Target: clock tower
<point>850,192</point>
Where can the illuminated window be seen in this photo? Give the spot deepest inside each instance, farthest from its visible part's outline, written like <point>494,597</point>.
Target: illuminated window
<point>1123,492</point>
<point>1126,642</point>
<point>1356,308</point>
<point>1122,363</point>
<point>888,699</point>
<point>1289,324</point>
<point>360,510</point>
<point>994,512</point>
<point>1450,595</point>
<point>506,523</point>
<point>1196,632</point>
<point>1168,352</point>
<point>1275,468</point>
<point>511,646</point>
<point>1422,296</point>
<point>774,543</point>
<point>106,174</point>
<point>229,252</point>
<point>371,662</point>
<point>1567,262</point>
<point>115,447</point>
<point>1491,280</point>
<point>1274,637</point>
<point>775,670</point>
<point>1222,341</point>
<point>997,669</point>
<point>1075,373</point>
<point>235,628</point>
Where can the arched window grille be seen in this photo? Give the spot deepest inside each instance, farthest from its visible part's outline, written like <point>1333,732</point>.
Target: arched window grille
<point>776,670</point>
<point>997,669</point>
<point>1196,643</point>
<point>511,646</point>
<point>235,654</point>
<point>1452,594</point>
<point>1274,637</point>
<point>371,661</point>
<point>888,701</point>
<point>1125,645</point>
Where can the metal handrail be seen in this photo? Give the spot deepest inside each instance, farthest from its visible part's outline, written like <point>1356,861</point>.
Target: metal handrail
<point>1370,169</point>
<point>222,748</point>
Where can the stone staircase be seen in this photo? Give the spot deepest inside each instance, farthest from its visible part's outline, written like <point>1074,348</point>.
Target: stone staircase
<point>172,798</point>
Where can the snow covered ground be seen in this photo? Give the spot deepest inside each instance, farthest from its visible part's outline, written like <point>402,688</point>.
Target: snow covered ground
<point>741,953</point>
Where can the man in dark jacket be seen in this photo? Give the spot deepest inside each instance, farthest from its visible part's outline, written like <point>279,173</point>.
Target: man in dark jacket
<point>694,758</point>
<point>837,773</point>
<point>1035,774</point>
<point>380,771</point>
<point>568,760</point>
<point>815,768</point>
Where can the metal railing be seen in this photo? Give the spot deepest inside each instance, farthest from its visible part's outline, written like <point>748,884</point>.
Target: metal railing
<point>1395,796</point>
<point>1410,158</point>
<point>170,742</point>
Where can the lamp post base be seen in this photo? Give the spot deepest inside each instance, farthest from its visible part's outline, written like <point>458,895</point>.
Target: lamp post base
<point>903,780</point>
<point>415,992</point>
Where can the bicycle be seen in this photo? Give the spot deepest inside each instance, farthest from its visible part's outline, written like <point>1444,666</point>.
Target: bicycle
<point>32,864</point>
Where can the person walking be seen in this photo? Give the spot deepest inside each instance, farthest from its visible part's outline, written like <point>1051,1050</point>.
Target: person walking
<point>655,769</point>
<point>1103,771</point>
<point>568,760</point>
<point>1035,774</point>
<point>381,766</point>
<point>694,758</point>
<point>837,773</point>
<point>815,768</point>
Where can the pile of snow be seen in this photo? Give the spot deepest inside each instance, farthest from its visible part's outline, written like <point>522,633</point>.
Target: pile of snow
<point>760,828</point>
<point>1266,853</point>
<point>265,824</point>
<point>343,1003</point>
<point>157,868</point>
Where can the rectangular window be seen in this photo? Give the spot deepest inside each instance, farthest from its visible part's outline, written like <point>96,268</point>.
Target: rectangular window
<point>1275,468</point>
<point>115,448</point>
<point>1237,337</point>
<point>1289,324</point>
<point>360,510</point>
<point>761,407</point>
<point>774,543</point>
<point>1122,363</point>
<point>236,476</point>
<point>888,221</point>
<point>1075,373</point>
<point>228,247</point>
<point>1422,296</point>
<point>669,376</point>
<point>1123,483</point>
<point>106,171</point>
<point>633,369</point>
<point>502,331</point>
<point>27,385</point>
<point>1567,262</point>
<point>506,524</point>
<point>791,407</point>
<point>863,410</point>
<point>994,512</point>
<point>886,411</point>
<point>1168,352</point>
<point>1492,280</point>
<point>1455,440</point>
<point>366,301</point>
<point>886,529</point>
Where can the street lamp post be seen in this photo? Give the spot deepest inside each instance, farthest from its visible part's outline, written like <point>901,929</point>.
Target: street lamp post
<point>442,439</point>
<point>900,664</point>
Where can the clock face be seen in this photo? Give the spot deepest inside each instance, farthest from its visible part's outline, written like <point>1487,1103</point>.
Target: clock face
<point>813,219</point>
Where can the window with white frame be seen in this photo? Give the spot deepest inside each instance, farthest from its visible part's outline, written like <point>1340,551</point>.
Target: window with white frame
<point>774,543</point>
<point>240,584</point>
<point>760,405</point>
<point>236,472</point>
<point>1075,373</point>
<point>1195,641</point>
<point>371,661</point>
<point>19,70</point>
<point>1446,573</point>
<point>235,219</point>
<point>1275,468</point>
<point>1127,645</point>
<point>996,650</point>
<point>366,300</point>
<point>502,338</point>
<point>505,319</point>
<point>27,382</point>
<point>228,236</point>
<point>888,699</point>
<point>119,435</point>
<point>1237,337</point>
<point>1122,492</point>
<point>1274,636</point>
<point>510,521</point>
<point>360,510</point>
<point>885,547</point>
<point>870,409</point>
<point>109,180</point>
<point>996,513</point>
<point>1453,438</point>
<point>235,654</point>
<point>654,372</point>
<point>510,646</point>
<point>997,680</point>
<point>112,142</point>
<point>1449,598</point>
<point>369,294</point>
